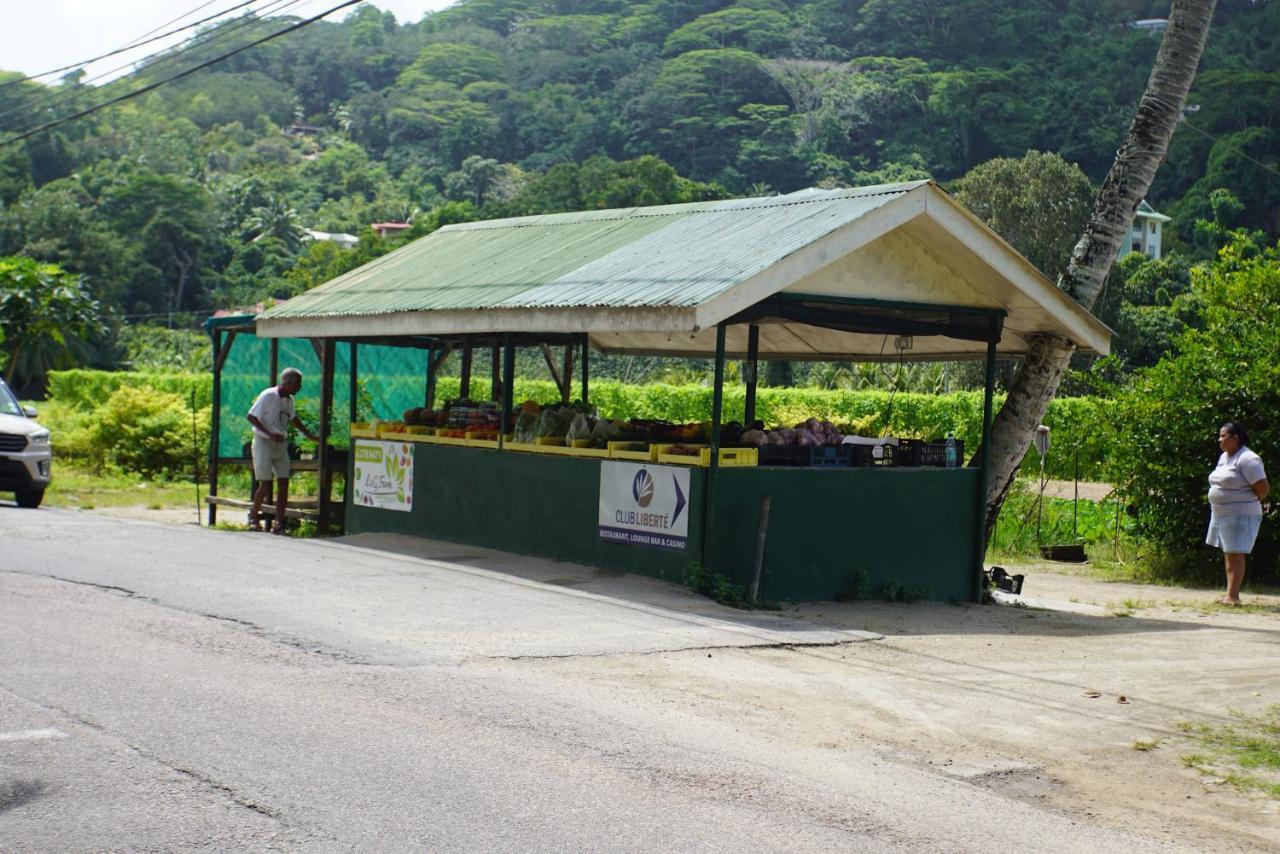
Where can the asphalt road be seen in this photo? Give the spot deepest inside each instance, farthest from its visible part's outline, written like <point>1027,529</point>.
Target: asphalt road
<point>167,687</point>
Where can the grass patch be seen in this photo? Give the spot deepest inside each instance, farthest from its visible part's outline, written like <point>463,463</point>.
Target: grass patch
<point>1145,746</point>
<point>1244,752</point>
<point>1213,606</point>
<point>74,487</point>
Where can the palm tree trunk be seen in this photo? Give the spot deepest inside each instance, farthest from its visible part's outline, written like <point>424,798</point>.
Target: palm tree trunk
<point>1143,150</point>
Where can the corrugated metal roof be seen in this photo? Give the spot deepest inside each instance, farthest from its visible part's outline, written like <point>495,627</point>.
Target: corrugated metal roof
<point>665,256</point>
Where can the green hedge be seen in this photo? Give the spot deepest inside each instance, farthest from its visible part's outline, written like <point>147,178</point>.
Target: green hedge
<point>86,390</point>
<point>1074,421</point>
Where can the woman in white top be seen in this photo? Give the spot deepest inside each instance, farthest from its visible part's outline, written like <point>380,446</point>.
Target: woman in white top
<point>1236,489</point>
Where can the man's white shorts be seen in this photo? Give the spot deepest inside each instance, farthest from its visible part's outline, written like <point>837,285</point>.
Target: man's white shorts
<point>270,459</point>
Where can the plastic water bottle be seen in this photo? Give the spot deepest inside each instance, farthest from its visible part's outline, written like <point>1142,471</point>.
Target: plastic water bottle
<point>952,462</point>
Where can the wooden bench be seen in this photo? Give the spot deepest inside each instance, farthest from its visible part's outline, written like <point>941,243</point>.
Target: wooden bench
<point>301,509</point>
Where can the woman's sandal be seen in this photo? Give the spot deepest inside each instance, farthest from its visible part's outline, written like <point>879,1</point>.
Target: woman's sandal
<point>254,524</point>
<point>277,528</point>
<point>1225,601</point>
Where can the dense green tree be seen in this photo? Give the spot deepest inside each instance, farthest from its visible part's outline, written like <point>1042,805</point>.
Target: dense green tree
<point>46,314</point>
<point>1038,202</point>
<point>1168,419</point>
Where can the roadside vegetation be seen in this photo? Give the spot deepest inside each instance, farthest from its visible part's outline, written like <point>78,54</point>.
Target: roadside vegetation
<point>1244,753</point>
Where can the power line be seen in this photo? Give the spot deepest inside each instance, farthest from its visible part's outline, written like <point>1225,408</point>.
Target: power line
<point>149,33</point>
<point>55,98</point>
<point>134,44</point>
<point>1220,140</point>
<point>181,74</point>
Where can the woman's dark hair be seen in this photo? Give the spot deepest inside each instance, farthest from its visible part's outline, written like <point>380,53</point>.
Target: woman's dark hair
<point>1235,428</point>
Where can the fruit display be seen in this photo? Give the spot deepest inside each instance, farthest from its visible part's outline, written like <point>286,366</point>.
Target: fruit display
<point>563,427</point>
<point>810,433</point>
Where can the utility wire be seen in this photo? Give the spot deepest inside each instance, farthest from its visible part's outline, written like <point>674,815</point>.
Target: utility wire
<point>206,4</point>
<point>188,72</point>
<point>1205,133</point>
<point>132,45</point>
<point>55,98</point>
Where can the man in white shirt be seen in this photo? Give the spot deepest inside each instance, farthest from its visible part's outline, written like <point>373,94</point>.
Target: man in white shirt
<point>271,415</point>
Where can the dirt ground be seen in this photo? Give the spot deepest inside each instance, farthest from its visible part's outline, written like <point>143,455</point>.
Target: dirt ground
<point>1042,699</point>
<point>1004,697</point>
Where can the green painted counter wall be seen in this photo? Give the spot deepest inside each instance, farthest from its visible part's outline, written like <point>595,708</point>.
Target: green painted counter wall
<point>533,504</point>
<point>912,527</point>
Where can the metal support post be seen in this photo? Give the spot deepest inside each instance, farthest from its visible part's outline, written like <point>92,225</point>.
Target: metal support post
<point>326,417</point>
<point>495,373</point>
<point>586,366</point>
<point>984,472</point>
<point>508,386</point>
<point>429,394</point>
<point>717,410</point>
<point>464,387</point>
<point>353,386</point>
<point>753,358</point>
<point>216,426</point>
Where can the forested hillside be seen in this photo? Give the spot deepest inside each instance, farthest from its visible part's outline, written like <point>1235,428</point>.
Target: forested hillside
<point>196,195</point>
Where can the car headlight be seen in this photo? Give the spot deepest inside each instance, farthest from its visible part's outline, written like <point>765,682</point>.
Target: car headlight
<point>40,438</point>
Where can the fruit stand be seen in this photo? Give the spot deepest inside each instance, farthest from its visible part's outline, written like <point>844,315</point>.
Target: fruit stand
<point>893,272</point>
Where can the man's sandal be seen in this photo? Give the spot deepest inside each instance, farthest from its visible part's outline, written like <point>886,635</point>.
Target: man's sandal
<point>254,524</point>
<point>277,528</point>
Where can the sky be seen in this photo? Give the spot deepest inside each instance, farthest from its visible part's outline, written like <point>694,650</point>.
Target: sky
<point>38,35</point>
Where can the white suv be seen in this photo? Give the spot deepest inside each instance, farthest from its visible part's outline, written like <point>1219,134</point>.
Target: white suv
<point>26,458</point>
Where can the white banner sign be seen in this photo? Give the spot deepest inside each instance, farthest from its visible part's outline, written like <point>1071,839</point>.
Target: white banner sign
<point>644,505</point>
<point>384,475</point>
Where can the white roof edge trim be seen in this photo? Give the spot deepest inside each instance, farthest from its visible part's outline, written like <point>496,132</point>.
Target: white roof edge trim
<point>1085,330</point>
<point>808,259</point>
<point>674,322</point>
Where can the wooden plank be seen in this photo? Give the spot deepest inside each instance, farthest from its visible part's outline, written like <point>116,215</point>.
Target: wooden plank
<point>296,503</point>
<point>225,351</point>
<point>551,366</point>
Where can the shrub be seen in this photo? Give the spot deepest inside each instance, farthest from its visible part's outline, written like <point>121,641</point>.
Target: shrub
<point>145,432</point>
<point>1166,423</point>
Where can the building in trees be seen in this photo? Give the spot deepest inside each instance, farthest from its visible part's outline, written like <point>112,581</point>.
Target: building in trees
<point>1145,233</point>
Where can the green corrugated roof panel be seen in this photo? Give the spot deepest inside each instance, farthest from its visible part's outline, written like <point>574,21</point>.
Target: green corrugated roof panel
<point>670,255</point>
<point>699,256</point>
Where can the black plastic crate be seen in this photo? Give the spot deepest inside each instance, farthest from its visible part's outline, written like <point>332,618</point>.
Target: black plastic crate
<point>784,455</point>
<point>864,455</point>
<point>917,452</point>
<point>830,456</point>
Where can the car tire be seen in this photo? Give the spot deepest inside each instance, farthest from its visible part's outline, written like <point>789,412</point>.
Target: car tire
<point>30,498</point>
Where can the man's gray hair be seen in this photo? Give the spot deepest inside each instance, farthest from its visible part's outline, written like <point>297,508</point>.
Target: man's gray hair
<point>290,373</point>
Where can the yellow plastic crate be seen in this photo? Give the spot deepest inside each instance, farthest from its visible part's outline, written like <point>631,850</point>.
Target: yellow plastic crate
<point>363,430</point>
<point>637,451</point>
<point>549,440</point>
<point>661,454</point>
<point>730,457</point>
<point>585,450</point>
<point>445,440</point>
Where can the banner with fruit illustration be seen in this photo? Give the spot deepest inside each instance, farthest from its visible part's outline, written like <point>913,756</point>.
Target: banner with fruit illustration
<point>384,475</point>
